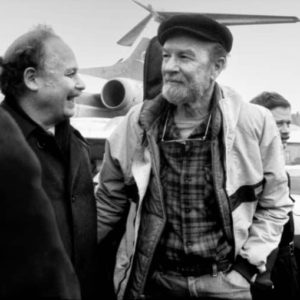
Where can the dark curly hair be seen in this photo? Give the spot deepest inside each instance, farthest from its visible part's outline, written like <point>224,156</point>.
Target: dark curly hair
<point>271,100</point>
<point>26,51</point>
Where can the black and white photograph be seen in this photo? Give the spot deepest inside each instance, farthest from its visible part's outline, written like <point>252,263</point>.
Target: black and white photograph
<point>150,149</point>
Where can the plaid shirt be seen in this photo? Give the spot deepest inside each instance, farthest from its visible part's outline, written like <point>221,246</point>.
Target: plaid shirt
<point>193,224</point>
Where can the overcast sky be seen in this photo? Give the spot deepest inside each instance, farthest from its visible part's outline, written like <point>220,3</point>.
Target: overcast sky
<point>264,57</point>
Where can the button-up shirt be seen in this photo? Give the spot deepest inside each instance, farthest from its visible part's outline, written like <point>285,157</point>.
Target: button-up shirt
<point>193,224</point>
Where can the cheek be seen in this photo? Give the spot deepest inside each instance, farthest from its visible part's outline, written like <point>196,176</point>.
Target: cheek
<point>201,79</point>
<point>50,84</point>
<point>204,69</point>
<point>61,83</point>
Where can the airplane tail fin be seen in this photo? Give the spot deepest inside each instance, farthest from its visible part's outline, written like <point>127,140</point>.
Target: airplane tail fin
<point>129,38</point>
<point>131,67</point>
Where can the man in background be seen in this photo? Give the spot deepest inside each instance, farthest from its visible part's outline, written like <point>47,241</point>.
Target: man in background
<point>280,109</point>
<point>284,274</point>
<point>40,81</point>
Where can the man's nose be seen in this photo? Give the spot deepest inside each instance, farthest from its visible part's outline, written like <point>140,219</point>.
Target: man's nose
<point>80,85</point>
<point>170,65</point>
<point>285,128</point>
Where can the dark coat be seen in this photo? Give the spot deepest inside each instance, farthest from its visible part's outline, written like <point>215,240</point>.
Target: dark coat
<point>282,277</point>
<point>33,261</point>
<point>67,180</point>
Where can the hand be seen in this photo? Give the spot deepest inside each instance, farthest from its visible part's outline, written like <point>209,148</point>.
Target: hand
<point>236,279</point>
<point>263,281</point>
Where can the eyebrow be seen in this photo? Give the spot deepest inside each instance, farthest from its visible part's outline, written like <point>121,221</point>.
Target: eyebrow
<point>180,51</point>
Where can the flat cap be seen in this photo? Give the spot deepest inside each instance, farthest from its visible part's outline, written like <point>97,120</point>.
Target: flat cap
<point>198,26</point>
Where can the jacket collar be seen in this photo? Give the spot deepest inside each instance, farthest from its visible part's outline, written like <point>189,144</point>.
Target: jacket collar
<point>63,136</point>
<point>26,124</point>
<point>152,110</point>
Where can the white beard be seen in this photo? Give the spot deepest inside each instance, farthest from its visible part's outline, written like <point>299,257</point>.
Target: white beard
<point>176,95</point>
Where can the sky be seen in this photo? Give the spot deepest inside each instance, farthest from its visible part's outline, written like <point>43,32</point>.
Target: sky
<point>264,57</point>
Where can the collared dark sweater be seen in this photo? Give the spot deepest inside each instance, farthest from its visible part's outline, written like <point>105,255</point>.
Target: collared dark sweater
<point>33,260</point>
<point>67,180</point>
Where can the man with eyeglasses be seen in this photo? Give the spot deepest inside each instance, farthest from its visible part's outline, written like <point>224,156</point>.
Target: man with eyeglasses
<point>199,174</point>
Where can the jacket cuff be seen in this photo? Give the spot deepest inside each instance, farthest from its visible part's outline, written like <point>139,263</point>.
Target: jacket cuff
<point>246,269</point>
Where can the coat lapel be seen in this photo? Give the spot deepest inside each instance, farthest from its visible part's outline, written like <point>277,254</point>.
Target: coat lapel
<point>74,161</point>
<point>70,150</point>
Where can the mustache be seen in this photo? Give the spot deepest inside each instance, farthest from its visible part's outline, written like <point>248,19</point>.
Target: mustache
<point>172,78</point>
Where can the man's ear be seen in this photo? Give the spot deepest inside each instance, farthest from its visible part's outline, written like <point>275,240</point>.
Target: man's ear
<point>219,66</point>
<point>30,78</point>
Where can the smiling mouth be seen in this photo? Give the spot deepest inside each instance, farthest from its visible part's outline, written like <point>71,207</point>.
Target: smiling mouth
<point>72,98</point>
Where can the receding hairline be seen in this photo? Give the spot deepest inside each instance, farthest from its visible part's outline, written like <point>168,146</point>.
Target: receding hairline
<point>39,34</point>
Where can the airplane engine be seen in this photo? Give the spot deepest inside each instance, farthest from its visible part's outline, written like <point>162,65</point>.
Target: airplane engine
<point>121,93</point>
<point>108,98</point>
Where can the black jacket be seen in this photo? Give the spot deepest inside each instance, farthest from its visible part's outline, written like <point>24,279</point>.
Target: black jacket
<point>67,180</point>
<point>33,261</point>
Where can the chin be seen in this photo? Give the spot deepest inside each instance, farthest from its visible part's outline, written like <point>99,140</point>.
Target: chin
<point>174,96</point>
<point>69,113</point>
<point>285,140</point>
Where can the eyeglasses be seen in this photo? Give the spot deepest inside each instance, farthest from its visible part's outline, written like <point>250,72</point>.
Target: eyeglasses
<point>202,139</point>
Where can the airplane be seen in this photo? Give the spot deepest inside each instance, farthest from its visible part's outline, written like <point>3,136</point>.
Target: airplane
<point>112,90</point>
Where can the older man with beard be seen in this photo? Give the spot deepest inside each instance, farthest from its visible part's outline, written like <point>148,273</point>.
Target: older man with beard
<point>198,172</point>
